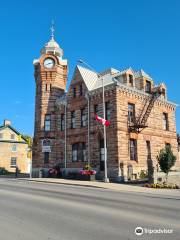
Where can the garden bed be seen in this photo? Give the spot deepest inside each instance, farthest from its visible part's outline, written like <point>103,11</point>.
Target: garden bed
<point>161,185</point>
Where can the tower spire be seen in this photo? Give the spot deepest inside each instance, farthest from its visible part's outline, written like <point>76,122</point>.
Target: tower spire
<point>52,29</point>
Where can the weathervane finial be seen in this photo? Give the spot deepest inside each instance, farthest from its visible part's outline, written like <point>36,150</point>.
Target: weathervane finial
<point>52,29</point>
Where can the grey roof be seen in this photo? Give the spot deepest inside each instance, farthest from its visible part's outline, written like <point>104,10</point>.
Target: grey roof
<point>52,46</point>
<point>108,79</point>
<point>141,73</point>
<point>89,77</point>
<point>109,71</point>
<point>93,81</point>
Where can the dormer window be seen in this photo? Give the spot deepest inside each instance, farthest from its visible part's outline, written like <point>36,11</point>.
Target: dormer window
<point>163,93</point>
<point>148,87</point>
<point>131,80</point>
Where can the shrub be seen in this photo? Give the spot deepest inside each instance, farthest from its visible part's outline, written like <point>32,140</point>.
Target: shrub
<point>3,171</point>
<point>143,174</point>
<point>161,185</point>
<point>166,160</point>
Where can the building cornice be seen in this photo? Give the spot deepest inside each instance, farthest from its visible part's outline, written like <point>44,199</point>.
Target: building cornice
<point>143,94</point>
<point>131,90</point>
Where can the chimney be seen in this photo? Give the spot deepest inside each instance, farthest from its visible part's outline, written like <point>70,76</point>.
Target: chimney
<point>7,122</point>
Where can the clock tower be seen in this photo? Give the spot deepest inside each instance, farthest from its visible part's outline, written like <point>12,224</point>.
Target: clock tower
<point>50,72</point>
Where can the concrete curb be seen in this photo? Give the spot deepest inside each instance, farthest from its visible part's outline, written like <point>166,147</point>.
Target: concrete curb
<point>167,193</point>
<point>62,183</point>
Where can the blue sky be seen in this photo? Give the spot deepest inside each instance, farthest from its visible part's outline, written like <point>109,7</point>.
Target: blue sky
<point>117,33</point>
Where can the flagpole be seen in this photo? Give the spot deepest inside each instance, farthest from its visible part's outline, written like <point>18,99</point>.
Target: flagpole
<point>105,143</point>
<point>88,101</point>
<point>106,179</point>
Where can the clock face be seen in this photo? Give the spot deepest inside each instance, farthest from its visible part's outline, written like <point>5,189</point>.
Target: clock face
<point>49,63</point>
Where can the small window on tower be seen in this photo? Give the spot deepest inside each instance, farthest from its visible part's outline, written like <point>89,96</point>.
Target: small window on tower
<point>47,122</point>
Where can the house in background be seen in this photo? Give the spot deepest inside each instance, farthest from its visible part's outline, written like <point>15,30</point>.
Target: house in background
<point>14,151</point>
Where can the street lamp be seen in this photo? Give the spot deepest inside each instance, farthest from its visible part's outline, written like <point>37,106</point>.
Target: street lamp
<point>63,102</point>
<point>106,179</point>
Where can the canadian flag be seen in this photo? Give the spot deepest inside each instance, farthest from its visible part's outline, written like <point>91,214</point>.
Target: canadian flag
<point>102,120</point>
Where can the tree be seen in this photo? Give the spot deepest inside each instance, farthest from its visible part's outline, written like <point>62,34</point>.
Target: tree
<point>166,160</point>
<point>29,141</point>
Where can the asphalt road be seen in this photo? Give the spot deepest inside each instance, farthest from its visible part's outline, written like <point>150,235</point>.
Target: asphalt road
<point>41,211</point>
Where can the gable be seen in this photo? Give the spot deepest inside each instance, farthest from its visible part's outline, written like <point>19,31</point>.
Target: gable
<point>8,133</point>
<point>87,76</point>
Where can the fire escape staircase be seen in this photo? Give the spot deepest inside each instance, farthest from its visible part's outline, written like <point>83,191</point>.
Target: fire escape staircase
<point>138,124</point>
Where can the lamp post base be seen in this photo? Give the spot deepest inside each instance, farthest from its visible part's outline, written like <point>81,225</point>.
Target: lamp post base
<point>106,180</point>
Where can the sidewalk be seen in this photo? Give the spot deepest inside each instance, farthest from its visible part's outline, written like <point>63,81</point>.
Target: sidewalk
<point>111,186</point>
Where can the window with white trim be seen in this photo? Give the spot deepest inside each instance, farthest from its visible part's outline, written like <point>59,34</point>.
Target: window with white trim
<point>14,148</point>
<point>13,161</point>
<point>47,123</point>
<point>131,112</point>
<point>83,117</point>
<point>133,149</point>
<point>75,152</point>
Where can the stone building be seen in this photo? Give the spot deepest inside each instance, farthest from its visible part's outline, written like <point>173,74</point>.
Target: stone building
<point>142,119</point>
<point>13,149</point>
